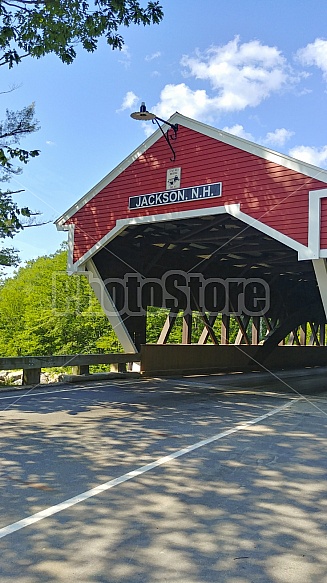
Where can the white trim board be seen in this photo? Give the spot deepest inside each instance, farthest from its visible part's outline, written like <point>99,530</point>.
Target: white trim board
<point>122,224</point>
<point>109,308</point>
<point>320,269</point>
<point>304,252</point>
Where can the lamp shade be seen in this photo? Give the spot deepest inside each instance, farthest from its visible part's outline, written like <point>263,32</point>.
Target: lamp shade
<point>143,114</point>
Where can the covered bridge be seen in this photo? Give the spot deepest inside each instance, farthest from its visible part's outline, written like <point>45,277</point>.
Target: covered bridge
<point>224,227</point>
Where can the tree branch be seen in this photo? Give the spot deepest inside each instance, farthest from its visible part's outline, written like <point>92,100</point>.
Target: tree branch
<point>13,88</point>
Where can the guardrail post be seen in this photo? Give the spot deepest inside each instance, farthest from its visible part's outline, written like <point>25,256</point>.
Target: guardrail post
<point>80,363</point>
<point>81,369</point>
<point>31,376</point>
<point>118,367</point>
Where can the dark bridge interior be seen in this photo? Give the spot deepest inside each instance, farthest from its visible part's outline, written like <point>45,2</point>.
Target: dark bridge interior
<point>218,246</point>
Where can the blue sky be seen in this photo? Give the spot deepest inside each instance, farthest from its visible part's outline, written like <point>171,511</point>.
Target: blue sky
<point>256,68</point>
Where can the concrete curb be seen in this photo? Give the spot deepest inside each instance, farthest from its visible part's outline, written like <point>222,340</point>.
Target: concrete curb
<point>99,376</point>
<point>73,379</point>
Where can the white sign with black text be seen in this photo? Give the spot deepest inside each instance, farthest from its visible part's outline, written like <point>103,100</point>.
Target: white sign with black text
<point>173,179</point>
<point>192,193</point>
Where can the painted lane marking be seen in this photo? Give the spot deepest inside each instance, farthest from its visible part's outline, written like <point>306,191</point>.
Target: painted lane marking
<point>15,526</point>
<point>36,393</point>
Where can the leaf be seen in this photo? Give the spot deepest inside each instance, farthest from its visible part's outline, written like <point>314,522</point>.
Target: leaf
<point>36,28</point>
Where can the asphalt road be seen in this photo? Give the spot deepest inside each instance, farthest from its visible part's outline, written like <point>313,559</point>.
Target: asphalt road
<point>203,479</point>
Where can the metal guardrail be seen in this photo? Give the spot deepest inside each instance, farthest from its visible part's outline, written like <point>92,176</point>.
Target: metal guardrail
<point>80,363</point>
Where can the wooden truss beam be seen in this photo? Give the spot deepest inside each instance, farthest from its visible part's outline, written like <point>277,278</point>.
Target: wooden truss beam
<point>207,331</point>
<point>167,327</point>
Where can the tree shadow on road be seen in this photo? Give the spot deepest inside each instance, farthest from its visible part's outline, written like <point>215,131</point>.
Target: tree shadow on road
<point>250,507</point>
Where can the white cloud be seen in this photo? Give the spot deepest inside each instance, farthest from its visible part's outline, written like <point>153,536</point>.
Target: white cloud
<point>149,128</point>
<point>129,101</point>
<point>183,99</point>
<point>239,76</point>
<point>239,131</point>
<point>153,56</point>
<point>310,154</point>
<point>242,74</point>
<point>126,56</point>
<point>314,54</point>
<point>278,138</point>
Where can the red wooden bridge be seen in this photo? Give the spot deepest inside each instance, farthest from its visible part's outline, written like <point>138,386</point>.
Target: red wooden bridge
<point>229,229</point>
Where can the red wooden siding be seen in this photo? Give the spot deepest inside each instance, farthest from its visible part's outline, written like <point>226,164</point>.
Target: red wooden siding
<point>267,191</point>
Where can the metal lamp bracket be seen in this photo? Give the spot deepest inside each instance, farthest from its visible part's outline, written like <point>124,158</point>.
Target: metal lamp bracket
<point>144,115</point>
<point>169,137</point>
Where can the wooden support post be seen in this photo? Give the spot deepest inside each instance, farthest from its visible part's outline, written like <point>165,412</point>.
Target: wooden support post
<point>303,334</point>
<point>81,369</point>
<point>314,334</point>
<point>167,327</point>
<point>322,334</point>
<point>294,339</point>
<point>274,327</point>
<point>187,328</point>
<point>31,376</point>
<point>225,327</point>
<point>268,324</point>
<point>242,333</point>
<point>291,339</point>
<point>255,330</point>
<point>208,330</point>
<point>119,367</point>
<point>136,326</point>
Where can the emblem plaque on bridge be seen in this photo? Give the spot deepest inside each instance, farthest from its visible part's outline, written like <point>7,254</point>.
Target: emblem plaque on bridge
<point>173,179</point>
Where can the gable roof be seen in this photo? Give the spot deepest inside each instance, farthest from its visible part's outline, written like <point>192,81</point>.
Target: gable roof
<point>209,131</point>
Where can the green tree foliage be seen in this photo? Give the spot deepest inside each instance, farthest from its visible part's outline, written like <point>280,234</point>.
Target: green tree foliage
<point>13,128</point>
<point>156,318</point>
<point>38,27</point>
<point>44,311</point>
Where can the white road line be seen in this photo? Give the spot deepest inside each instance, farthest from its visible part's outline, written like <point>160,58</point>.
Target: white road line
<point>31,393</point>
<point>134,473</point>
